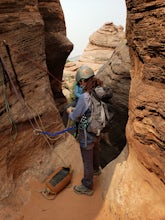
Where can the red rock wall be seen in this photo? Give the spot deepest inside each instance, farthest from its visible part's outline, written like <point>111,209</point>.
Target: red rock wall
<point>24,27</point>
<point>57,45</point>
<point>136,182</point>
<point>146,126</point>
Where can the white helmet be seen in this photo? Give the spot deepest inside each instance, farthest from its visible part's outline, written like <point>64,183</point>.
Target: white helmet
<point>84,72</point>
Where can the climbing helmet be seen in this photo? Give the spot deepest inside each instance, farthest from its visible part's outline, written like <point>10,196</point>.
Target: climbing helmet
<point>84,72</point>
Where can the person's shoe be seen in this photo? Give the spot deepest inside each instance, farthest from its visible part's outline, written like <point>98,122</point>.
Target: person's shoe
<point>81,189</point>
<point>96,172</point>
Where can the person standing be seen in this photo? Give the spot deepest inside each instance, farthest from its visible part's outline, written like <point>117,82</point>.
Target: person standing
<point>88,141</point>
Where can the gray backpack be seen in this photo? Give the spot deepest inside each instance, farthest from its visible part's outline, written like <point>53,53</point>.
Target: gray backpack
<point>100,116</point>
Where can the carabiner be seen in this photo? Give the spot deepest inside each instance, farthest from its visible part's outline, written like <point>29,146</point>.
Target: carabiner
<point>37,131</point>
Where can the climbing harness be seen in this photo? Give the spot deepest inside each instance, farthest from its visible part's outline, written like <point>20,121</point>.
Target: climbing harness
<point>57,181</point>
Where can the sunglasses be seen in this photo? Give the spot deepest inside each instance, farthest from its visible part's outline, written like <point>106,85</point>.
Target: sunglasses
<point>83,80</point>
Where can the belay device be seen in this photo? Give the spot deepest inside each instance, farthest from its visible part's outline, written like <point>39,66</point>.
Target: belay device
<point>59,179</point>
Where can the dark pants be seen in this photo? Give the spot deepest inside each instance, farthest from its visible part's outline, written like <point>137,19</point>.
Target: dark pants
<point>91,162</point>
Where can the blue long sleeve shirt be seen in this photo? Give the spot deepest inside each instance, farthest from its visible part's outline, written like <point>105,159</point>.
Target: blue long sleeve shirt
<point>78,90</point>
<point>83,104</point>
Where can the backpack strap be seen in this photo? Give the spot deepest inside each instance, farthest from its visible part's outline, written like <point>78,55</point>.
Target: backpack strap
<point>102,105</point>
<point>93,92</point>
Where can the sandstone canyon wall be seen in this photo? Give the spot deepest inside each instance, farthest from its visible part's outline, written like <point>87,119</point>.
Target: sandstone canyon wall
<point>34,32</point>
<point>98,51</point>
<point>134,185</point>
<point>136,188</point>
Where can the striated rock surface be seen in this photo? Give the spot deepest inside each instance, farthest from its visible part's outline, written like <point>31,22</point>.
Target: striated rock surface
<point>57,45</point>
<point>136,187</point>
<point>133,184</point>
<point>102,44</point>
<point>27,101</point>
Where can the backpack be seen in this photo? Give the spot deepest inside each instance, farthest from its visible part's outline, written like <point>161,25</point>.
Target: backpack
<point>100,116</point>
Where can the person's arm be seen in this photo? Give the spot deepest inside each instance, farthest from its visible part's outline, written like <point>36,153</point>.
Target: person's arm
<point>81,107</point>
